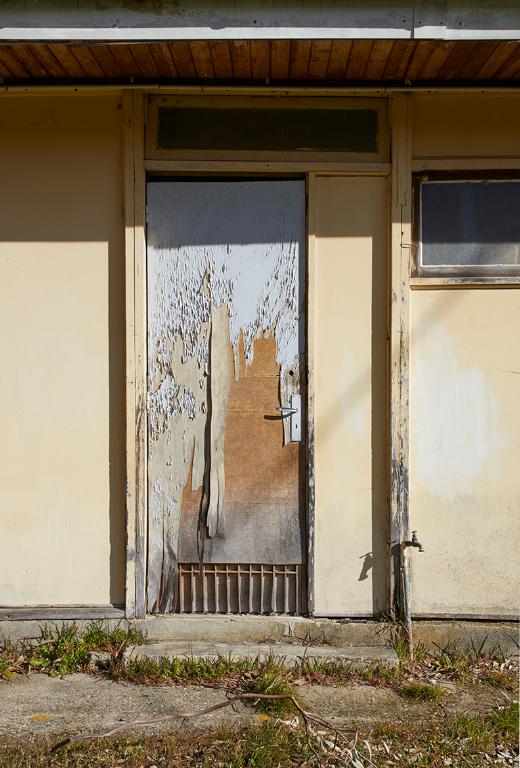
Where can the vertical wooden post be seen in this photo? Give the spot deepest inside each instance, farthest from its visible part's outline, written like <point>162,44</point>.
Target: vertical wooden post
<point>401,126</point>
<point>136,428</point>
<point>311,343</point>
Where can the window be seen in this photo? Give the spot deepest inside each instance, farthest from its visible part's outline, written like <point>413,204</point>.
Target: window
<point>466,224</point>
<point>267,129</point>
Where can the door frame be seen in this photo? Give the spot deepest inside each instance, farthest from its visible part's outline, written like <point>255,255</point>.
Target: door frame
<point>136,166</point>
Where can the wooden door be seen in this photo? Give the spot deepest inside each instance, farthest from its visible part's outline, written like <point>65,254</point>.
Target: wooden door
<point>226,522</point>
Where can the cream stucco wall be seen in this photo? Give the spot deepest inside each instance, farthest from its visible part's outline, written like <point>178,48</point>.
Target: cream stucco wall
<point>461,125</point>
<point>465,392</point>
<point>62,340</point>
<point>348,229</point>
<point>465,450</point>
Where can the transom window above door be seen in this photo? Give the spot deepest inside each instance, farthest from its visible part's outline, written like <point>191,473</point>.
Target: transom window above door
<point>266,128</point>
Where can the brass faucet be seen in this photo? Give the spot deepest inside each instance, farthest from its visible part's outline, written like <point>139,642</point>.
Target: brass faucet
<point>414,542</point>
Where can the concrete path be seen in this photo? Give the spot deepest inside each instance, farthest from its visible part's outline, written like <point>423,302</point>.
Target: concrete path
<point>41,705</point>
<point>287,653</point>
<point>37,705</point>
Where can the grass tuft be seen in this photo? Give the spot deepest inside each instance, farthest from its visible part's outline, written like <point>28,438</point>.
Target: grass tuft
<point>101,637</point>
<point>498,679</point>
<point>68,649</point>
<point>182,670</point>
<point>422,691</point>
<point>11,660</point>
<point>278,682</point>
<point>400,644</point>
<point>60,651</point>
<point>379,674</point>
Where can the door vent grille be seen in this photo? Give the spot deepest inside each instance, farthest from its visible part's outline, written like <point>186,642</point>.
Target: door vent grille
<point>241,588</point>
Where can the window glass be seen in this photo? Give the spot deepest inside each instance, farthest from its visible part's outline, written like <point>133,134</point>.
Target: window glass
<point>470,223</point>
<point>268,129</point>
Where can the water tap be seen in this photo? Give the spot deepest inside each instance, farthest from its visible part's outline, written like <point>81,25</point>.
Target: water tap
<point>414,542</point>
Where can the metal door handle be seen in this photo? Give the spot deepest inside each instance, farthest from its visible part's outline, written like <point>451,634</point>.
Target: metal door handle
<point>287,411</point>
<point>294,414</point>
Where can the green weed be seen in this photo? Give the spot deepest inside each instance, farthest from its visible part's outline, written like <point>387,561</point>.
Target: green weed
<point>498,679</point>
<point>10,659</point>
<point>333,669</point>
<point>379,674</point>
<point>400,644</point>
<point>68,649</point>
<point>275,682</point>
<point>182,670</point>
<point>99,636</point>
<point>61,651</point>
<point>423,691</point>
<point>5,669</point>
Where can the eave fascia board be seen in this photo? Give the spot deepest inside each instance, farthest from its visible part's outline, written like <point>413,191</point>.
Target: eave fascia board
<point>141,21</point>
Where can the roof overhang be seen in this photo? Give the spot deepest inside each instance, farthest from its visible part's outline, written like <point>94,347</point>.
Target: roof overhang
<point>170,20</point>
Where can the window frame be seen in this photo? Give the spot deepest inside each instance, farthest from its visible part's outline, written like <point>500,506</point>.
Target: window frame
<point>482,273</point>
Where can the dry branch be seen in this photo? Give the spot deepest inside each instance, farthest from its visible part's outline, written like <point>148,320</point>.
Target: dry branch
<point>307,717</point>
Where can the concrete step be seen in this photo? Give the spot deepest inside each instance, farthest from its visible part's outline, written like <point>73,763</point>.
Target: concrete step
<point>285,653</point>
<point>262,629</point>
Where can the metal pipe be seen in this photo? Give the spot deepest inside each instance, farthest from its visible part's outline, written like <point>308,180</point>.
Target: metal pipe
<point>406,606</point>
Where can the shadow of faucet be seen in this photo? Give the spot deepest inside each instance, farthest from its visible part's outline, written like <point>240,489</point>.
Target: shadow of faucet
<point>368,562</point>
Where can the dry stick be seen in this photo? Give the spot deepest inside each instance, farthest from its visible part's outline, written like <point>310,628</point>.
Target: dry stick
<point>306,717</point>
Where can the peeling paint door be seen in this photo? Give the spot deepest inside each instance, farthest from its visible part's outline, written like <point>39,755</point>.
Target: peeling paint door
<point>226,522</point>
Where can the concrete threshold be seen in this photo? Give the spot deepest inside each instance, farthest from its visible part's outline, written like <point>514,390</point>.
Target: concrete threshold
<point>286,654</point>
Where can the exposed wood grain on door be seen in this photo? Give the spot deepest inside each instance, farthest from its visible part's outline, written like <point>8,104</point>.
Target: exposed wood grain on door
<point>261,474</point>
<point>218,397</point>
